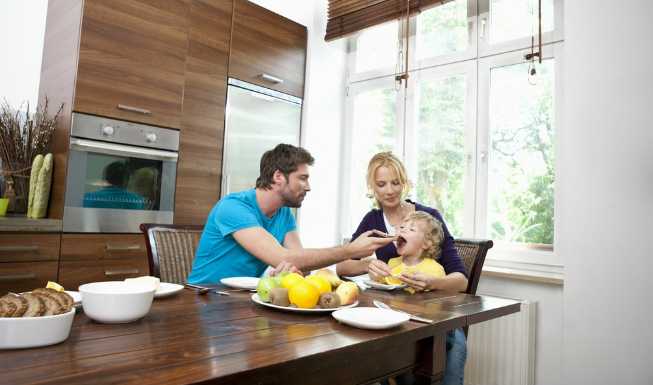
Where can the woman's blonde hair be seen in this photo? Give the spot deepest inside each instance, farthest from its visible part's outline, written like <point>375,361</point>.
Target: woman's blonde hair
<point>433,233</point>
<point>387,159</point>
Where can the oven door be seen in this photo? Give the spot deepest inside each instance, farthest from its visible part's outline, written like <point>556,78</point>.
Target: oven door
<point>113,188</point>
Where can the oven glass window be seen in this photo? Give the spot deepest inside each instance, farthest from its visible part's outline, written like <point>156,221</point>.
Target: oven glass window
<point>114,182</point>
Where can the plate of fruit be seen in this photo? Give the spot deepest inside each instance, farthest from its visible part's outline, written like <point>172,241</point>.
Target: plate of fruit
<point>321,292</point>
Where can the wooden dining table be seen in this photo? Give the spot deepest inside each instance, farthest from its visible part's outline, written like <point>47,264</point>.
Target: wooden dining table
<point>229,339</point>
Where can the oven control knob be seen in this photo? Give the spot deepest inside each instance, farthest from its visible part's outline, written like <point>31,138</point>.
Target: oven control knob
<point>107,131</point>
<point>150,137</point>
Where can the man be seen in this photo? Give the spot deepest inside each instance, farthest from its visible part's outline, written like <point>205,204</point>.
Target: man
<point>249,230</point>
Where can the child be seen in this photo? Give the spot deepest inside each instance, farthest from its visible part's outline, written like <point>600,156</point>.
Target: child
<point>418,246</point>
<point>419,243</point>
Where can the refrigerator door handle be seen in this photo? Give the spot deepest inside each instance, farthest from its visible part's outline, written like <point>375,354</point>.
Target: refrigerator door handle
<point>272,79</point>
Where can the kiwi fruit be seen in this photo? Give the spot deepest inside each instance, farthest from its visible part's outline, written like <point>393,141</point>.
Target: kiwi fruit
<point>329,300</point>
<point>279,296</point>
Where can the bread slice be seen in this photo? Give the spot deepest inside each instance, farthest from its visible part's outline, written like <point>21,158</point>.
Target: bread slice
<point>20,304</point>
<point>64,300</point>
<point>52,305</point>
<point>146,280</point>
<point>35,305</point>
<point>7,308</point>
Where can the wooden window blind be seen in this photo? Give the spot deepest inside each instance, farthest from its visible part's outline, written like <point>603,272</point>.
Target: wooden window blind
<point>349,16</point>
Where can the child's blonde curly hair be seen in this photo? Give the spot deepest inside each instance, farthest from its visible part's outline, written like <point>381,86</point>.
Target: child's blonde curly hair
<point>433,233</point>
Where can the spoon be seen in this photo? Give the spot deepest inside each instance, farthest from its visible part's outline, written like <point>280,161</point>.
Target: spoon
<point>382,305</point>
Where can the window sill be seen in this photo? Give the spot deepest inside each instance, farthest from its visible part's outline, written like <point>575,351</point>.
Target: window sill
<point>546,274</point>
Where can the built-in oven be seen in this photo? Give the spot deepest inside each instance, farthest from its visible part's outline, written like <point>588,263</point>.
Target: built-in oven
<point>120,174</point>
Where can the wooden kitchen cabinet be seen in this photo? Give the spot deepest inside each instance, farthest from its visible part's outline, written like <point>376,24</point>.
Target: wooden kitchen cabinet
<point>267,49</point>
<point>132,55</point>
<point>101,257</point>
<point>199,167</point>
<point>27,261</point>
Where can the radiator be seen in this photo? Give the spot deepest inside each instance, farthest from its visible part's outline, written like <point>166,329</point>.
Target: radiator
<point>502,351</point>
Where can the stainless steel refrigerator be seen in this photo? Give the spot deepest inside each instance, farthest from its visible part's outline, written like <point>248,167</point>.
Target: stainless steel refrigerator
<point>257,119</point>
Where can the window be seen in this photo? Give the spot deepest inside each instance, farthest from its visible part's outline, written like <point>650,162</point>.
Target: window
<point>477,138</point>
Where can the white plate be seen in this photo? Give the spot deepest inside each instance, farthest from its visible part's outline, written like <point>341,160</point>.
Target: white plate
<point>77,297</point>
<point>256,299</point>
<point>382,286</point>
<point>370,317</point>
<point>166,289</point>
<point>248,283</point>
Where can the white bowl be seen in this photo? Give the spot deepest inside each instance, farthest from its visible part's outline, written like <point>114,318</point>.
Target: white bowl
<point>30,332</point>
<point>116,301</point>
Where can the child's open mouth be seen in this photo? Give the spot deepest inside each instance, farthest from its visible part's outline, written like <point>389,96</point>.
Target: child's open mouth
<point>401,241</point>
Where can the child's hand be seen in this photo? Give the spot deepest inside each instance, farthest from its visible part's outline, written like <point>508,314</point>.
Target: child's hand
<point>378,270</point>
<point>420,281</point>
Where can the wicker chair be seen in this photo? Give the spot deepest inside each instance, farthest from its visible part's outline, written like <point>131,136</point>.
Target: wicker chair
<point>171,250</point>
<point>473,252</point>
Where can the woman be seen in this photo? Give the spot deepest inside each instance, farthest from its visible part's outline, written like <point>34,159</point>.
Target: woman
<point>388,185</point>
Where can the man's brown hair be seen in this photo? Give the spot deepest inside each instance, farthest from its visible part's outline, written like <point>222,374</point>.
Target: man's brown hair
<point>284,157</point>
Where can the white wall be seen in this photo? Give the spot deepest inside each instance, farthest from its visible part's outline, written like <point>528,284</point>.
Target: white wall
<point>22,28</point>
<point>322,122</point>
<point>606,210</point>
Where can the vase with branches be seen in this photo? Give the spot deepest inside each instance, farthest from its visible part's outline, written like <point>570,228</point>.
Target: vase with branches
<point>23,135</point>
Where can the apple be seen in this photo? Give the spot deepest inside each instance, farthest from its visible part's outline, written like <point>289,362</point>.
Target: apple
<point>265,286</point>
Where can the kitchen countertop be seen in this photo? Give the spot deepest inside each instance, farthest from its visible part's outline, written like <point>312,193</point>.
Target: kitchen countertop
<point>29,225</point>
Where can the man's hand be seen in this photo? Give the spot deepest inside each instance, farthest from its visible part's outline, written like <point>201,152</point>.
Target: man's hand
<point>377,270</point>
<point>285,266</point>
<point>367,243</point>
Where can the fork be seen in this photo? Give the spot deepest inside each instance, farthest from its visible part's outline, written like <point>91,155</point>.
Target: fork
<point>382,305</point>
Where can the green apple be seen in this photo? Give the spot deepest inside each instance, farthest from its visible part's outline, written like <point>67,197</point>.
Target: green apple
<point>265,286</point>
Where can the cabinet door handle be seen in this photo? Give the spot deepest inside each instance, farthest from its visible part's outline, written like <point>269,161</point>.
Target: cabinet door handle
<point>110,273</point>
<point>109,247</point>
<point>18,248</point>
<point>125,107</point>
<point>17,277</point>
<point>271,78</point>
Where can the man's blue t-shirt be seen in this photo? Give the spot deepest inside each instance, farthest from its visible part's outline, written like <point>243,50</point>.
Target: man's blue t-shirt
<point>218,254</point>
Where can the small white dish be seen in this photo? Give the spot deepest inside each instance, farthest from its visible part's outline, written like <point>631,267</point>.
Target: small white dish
<point>383,286</point>
<point>247,283</point>
<point>257,300</point>
<point>116,301</point>
<point>31,332</point>
<point>370,317</point>
<point>77,297</point>
<point>167,289</point>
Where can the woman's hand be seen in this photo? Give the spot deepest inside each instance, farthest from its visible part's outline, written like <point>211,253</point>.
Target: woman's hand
<point>285,266</point>
<point>378,270</point>
<point>420,281</point>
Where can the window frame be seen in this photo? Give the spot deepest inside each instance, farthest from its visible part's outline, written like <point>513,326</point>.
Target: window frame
<point>478,60</point>
<point>354,89</point>
<point>503,251</point>
<point>469,69</point>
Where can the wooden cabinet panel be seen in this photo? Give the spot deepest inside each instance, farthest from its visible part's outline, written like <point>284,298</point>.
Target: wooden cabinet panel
<point>264,43</point>
<point>75,273</point>
<point>131,60</point>
<point>76,247</point>
<point>101,257</point>
<point>200,153</point>
<point>29,247</point>
<point>25,276</point>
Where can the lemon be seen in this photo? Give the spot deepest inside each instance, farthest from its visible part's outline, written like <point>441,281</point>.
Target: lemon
<point>321,284</point>
<point>303,295</point>
<point>290,280</point>
<point>54,285</point>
